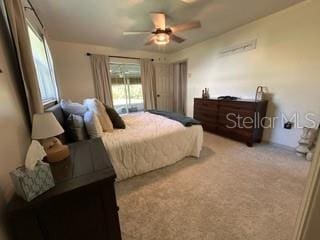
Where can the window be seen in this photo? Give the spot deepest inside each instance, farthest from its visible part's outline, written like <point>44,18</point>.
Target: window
<point>126,87</point>
<point>47,84</point>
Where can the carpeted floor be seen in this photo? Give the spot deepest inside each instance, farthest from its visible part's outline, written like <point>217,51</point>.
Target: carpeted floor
<point>232,192</point>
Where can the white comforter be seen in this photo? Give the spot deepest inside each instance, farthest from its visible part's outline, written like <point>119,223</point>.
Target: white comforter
<point>150,142</point>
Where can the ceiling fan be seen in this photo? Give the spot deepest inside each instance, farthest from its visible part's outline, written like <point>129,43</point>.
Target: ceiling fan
<point>162,34</point>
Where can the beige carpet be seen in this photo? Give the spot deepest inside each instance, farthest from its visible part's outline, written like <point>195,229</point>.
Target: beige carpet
<point>232,192</point>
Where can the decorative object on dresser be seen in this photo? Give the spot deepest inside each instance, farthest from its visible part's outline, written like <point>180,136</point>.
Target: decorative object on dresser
<point>205,93</point>
<point>82,205</point>
<point>45,127</point>
<point>29,184</point>
<point>240,119</point>
<point>229,98</point>
<point>260,93</point>
<point>35,177</point>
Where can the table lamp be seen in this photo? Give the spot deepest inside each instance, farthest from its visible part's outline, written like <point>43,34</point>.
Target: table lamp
<point>44,128</point>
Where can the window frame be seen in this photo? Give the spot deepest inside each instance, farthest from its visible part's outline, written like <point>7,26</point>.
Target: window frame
<point>126,83</point>
<point>47,103</point>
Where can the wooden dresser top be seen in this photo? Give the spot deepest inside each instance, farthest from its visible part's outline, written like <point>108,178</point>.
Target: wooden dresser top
<point>222,100</point>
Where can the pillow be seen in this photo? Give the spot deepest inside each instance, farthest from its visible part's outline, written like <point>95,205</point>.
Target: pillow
<point>93,125</point>
<point>70,107</point>
<point>97,107</point>
<point>75,128</point>
<point>115,118</point>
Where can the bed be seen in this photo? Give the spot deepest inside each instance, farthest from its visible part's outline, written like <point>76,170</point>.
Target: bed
<point>149,142</point>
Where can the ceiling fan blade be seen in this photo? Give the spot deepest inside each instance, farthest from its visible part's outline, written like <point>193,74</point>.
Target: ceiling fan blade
<point>150,40</point>
<point>189,1</point>
<point>176,38</point>
<point>186,26</point>
<point>158,19</point>
<point>136,33</point>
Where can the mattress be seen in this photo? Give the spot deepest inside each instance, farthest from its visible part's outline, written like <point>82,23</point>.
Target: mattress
<point>150,142</point>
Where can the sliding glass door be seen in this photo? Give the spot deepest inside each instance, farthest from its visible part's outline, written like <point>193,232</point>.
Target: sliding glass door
<point>126,87</point>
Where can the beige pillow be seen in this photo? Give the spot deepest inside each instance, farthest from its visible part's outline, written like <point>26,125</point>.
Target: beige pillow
<point>97,107</point>
<point>92,124</point>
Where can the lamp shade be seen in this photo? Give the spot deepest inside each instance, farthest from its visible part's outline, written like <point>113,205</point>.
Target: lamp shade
<point>45,125</point>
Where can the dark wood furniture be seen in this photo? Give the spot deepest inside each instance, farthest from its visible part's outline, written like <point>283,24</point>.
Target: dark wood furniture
<point>240,119</point>
<point>82,205</point>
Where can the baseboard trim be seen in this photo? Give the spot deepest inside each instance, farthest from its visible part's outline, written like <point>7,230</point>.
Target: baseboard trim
<point>285,147</point>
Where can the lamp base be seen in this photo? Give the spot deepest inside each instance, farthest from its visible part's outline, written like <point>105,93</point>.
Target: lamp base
<point>55,150</point>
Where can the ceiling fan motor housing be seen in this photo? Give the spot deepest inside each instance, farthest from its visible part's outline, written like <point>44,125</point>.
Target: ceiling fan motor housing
<point>159,30</point>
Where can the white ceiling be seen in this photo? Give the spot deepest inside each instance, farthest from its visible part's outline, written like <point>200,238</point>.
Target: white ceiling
<point>102,22</point>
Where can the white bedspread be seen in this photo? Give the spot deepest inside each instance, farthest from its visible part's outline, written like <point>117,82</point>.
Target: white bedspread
<point>150,142</point>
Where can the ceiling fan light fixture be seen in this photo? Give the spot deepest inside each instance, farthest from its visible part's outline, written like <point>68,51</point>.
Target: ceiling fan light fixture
<point>162,39</point>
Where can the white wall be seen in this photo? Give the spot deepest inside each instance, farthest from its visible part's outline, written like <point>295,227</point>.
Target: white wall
<point>14,130</point>
<point>15,137</point>
<point>73,67</point>
<point>287,61</point>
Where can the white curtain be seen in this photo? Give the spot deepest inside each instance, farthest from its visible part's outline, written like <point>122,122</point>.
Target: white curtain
<point>148,82</point>
<point>19,30</point>
<point>179,79</point>
<point>102,79</point>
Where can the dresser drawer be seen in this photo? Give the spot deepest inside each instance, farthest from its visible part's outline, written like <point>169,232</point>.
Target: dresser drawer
<point>238,120</point>
<point>206,108</point>
<point>206,104</point>
<point>206,118</point>
<point>241,112</point>
<point>208,114</point>
<point>210,127</point>
<point>238,105</point>
<point>237,133</point>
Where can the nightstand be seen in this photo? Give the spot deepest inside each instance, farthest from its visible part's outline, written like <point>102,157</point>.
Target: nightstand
<point>82,205</point>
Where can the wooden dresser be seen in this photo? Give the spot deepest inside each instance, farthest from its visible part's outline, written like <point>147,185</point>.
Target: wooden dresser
<point>81,206</point>
<point>240,119</point>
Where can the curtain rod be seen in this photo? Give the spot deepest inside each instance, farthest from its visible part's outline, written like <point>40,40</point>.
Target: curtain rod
<point>89,54</point>
<point>34,12</point>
